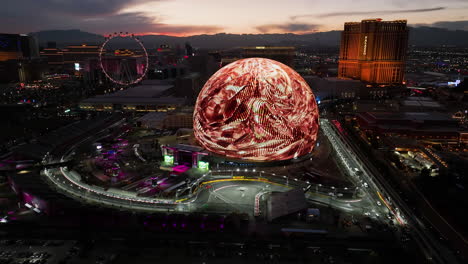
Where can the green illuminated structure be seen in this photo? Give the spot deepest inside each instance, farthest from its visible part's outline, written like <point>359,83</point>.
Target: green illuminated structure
<point>203,165</point>
<point>169,159</point>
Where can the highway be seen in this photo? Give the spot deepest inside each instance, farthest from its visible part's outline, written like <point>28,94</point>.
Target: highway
<point>232,195</point>
<point>379,189</point>
<point>374,203</point>
<point>378,199</point>
<point>69,182</point>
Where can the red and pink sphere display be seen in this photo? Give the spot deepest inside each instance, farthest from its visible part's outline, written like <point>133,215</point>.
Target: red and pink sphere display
<point>256,109</point>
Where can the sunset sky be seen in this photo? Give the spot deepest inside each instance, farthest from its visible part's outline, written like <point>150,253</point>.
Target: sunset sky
<point>190,17</point>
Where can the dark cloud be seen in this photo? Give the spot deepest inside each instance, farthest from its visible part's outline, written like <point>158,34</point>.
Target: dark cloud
<point>451,25</point>
<point>186,29</point>
<point>97,16</point>
<point>288,28</point>
<point>126,22</point>
<point>139,23</point>
<point>79,8</point>
<point>383,12</point>
<point>87,8</point>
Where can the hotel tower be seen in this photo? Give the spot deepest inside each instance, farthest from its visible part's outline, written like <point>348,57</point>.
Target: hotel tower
<point>374,51</point>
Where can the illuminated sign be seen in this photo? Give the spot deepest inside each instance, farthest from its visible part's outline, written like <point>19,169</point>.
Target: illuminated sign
<point>256,109</point>
<point>203,165</point>
<point>169,159</point>
<point>123,52</point>
<point>364,52</point>
<point>455,83</point>
<point>77,66</point>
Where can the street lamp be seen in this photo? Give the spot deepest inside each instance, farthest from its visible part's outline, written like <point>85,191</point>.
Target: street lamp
<point>355,191</point>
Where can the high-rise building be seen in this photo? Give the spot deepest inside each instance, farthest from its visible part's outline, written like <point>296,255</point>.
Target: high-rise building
<point>374,51</point>
<point>284,55</point>
<point>29,46</point>
<point>69,58</point>
<point>54,57</point>
<point>78,53</point>
<point>17,47</point>
<point>19,58</point>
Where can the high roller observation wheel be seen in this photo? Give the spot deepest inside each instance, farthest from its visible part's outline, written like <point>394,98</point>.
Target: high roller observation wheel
<point>126,35</point>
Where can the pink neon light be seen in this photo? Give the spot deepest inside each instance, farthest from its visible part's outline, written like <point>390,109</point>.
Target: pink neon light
<point>180,168</point>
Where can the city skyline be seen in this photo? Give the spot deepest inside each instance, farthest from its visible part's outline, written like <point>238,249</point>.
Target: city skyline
<point>183,18</point>
<point>268,131</point>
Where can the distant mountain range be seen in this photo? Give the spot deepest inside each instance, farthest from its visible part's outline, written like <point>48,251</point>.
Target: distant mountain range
<point>419,36</point>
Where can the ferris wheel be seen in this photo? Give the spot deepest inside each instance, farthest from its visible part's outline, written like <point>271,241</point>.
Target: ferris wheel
<point>123,68</point>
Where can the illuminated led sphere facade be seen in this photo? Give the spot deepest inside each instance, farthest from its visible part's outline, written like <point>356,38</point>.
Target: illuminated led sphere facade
<point>256,109</point>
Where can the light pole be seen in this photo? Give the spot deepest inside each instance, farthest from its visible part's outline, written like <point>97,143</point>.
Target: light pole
<point>355,192</point>
<point>332,196</point>
<point>317,187</point>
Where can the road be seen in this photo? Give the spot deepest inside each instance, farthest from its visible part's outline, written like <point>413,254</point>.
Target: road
<point>378,188</point>
<point>232,195</point>
<point>69,182</point>
<point>379,199</point>
<point>373,203</point>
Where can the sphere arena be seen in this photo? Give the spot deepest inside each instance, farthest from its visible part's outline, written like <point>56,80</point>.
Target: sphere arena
<point>256,109</point>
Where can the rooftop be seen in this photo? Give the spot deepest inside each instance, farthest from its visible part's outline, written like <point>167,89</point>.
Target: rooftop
<point>333,79</point>
<point>143,94</point>
<point>136,100</point>
<point>414,116</point>
<point>154,116</point>
<point>140,91</point>
<point>269,48</point>
<point>184,147</point>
